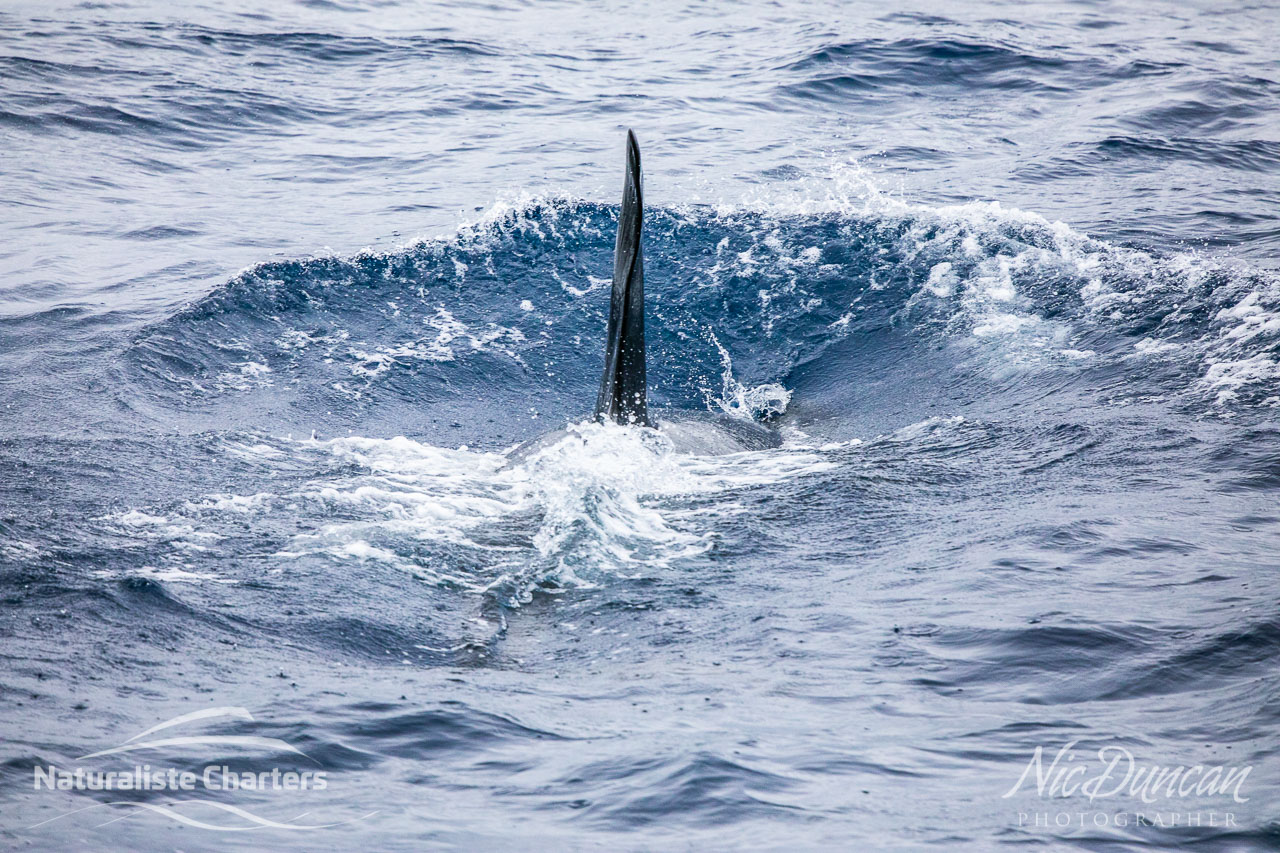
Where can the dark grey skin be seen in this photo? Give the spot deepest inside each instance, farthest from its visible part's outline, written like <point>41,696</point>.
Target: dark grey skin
<point>623,392</point>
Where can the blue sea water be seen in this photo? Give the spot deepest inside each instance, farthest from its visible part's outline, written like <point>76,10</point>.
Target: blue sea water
<point>280,282</point>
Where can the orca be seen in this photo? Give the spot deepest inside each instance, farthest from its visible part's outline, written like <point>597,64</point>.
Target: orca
<point>623,394</point>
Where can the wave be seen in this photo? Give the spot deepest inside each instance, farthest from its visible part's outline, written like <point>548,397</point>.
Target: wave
<point>968,64</point>
<point>516,300</point>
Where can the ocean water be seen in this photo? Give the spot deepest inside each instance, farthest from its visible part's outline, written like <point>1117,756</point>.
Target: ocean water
<point>280,283</point>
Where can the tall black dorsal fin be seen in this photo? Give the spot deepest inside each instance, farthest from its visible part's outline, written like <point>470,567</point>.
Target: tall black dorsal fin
<point>622,387</point>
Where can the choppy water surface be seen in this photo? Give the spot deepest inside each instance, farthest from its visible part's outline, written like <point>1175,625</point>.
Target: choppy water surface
<point>280,284</point>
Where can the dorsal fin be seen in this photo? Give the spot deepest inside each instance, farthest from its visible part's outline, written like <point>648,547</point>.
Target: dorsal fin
<point>622,387</point>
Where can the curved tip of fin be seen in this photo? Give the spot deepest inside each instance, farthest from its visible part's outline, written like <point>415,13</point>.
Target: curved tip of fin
<point>623,393</point>
<point>633,155</point>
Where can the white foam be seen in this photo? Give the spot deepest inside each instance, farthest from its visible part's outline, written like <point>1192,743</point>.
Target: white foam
<point>168,575</point>
<point>242,504</point>
<point>747,402</point>
<point>180,533</point>
<point>1254,319</point>
<point>1152,347</point>
<point>246,376</point>
<point>606,501</point>
<point>911,432</point>
<point>942,280</point>
<point>1229,377</point>
<point>450,335</point>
